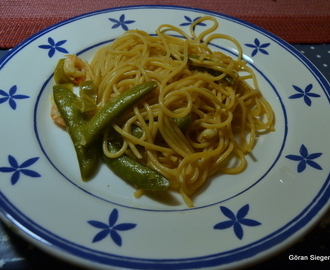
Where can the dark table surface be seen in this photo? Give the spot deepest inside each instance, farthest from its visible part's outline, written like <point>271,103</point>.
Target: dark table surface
<point>16,253</point>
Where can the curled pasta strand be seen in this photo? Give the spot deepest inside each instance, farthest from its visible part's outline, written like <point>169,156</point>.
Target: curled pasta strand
<point>106,149</point>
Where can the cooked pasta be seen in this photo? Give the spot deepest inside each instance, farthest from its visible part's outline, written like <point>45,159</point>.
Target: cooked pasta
<point>220,95</point>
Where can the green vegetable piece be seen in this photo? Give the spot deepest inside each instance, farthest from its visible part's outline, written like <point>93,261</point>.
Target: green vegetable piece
<point>59,76</point>
<point>87,96</point>
<point>113,109</point>
<point>88,91</point>
<point>183,122</point>
<point>74,118</point>
<point>83,133</point>
<point>229,79</point>
<point>135,172</point>
<point>137,131</point>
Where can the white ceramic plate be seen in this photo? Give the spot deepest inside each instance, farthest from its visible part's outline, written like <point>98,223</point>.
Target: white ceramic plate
<point>238,220</point>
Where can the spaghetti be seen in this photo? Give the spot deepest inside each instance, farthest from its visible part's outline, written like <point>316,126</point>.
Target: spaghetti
<point>225,112</point>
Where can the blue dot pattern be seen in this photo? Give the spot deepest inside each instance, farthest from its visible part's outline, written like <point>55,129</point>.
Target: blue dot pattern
<point>319,55</point>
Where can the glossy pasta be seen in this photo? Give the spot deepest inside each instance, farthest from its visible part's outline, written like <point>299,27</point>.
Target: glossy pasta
<point>225,112</point>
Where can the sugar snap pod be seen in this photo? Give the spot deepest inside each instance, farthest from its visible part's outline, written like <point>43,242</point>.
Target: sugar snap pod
<point>74,119</point>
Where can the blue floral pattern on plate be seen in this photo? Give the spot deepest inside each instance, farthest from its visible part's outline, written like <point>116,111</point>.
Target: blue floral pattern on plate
<point>111,228</point>
<point>236,221</point>
<point>189,21</point>
<point>17,169</point>
<point>11,96</point>
<point>53,46</point>
<point>305,159</point>
<point>121,22</point>
<point>258,47</point>
<point>305,94</point>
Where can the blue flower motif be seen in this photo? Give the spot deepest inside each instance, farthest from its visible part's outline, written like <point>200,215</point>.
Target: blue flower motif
<point>53,47</point>
<point>305,159</point>
<point>111,228</point>
<point>121,22</point>
<point>190,21</point>
<point>258,47</point>
<point>18,169</point>
<point>11,96</point>
<point>236,221</point>
<point>306,94</point>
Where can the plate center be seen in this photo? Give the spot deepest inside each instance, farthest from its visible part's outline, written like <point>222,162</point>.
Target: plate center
<point>58,148</point>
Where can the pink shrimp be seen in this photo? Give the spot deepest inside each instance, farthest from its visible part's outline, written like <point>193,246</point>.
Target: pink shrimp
<point>56,115</point>
<point>74,68</point>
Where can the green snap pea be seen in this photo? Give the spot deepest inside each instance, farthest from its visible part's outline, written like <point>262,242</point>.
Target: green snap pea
<point>135,172</point>
<point>136,131</point>
<point>59,76</point>
<point>84,133</point>
<point>183,122</point>
<point>131,169</point>
<point>87,97</point>
<point>229,79</point>
<point>191,57</point>
<point>74,118</point>
<point>113,109</point>
<point>88,91</point>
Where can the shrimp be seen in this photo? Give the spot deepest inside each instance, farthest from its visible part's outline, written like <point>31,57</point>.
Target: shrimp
<point>56,115</point>
<point>74,68</point>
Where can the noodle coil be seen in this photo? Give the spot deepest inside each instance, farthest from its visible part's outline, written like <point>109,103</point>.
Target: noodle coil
<point>227,113</point>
